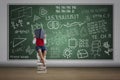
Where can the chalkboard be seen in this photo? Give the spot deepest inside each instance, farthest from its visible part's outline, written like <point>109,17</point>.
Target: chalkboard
<point>73,31</point>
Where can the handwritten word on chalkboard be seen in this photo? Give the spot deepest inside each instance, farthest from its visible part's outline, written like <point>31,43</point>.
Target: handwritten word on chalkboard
<point>73,31</point>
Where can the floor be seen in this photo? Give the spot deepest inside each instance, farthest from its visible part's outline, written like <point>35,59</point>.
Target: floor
<point>60,74</point>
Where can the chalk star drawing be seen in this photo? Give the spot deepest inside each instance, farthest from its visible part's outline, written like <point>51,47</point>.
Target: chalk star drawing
<point>107,46</point>
<point>82,53</point>
<point>67,53</point>
<point>18,41</point>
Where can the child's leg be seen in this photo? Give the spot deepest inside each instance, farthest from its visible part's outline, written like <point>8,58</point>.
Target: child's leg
<point>41,56</point>
<point>44,53</point>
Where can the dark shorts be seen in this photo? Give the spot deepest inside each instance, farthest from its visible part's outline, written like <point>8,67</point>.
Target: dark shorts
<point>43,48</point>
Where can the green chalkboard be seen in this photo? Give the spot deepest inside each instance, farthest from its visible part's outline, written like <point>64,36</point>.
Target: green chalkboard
<point>73,31</point>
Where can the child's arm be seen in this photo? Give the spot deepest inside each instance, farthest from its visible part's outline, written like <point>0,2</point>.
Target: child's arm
<point>45,41</point>
<point>34,40</point>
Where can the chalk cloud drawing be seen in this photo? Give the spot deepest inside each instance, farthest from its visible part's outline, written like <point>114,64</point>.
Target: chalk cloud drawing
<point>82,53</point>
<point>67,53</point>
<point>18,41</point>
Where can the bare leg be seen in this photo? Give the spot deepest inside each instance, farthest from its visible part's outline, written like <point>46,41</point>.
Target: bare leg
<point>41,56</point>
<point>44,54</point>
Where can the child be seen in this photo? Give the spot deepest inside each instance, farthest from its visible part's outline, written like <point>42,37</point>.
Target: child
<point>40,40</point>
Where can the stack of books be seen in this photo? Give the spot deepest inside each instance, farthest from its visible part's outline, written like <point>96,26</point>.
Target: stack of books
<point>41,68</point>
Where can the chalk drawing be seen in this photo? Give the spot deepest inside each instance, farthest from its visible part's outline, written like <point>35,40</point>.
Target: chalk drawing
<point>72,32</point>
<point>87,18</point>
<point>18,41</point>
<point>22,31</point>
<point>67,25</point>
<point>53,24</point>
<point>77,24</point>
<point>19,49</point>
<point>17,24</point>
<point>36,26</point>
<point>103,36</point>
<point>54,52</point>
<point>62,17</point>
<point>83,43</point>
<point>28,12</point>
<point>65,9</point>
<point>28,23</point>
<point>107,46</point>
<point>13,24</point>
<point>97,27</point>
<point>72,43</point>
<point>94,36</point>
<point>36,18</point>
<point>15,13</point>
<point>67,53</point>
<point>20,22</point>
<point>98,16</point>
<point>42,11</point>
<point>29,50</point>
<point>95,10</point>
<point>21,12</point>
<point>96,47</point>
<point>82,53</point>
<point>83,32</point>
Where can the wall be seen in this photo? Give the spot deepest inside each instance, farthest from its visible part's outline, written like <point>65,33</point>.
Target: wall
<point>59,63</point>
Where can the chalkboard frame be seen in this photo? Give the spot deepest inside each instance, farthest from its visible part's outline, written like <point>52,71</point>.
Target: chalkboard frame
<point>58,4</point>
